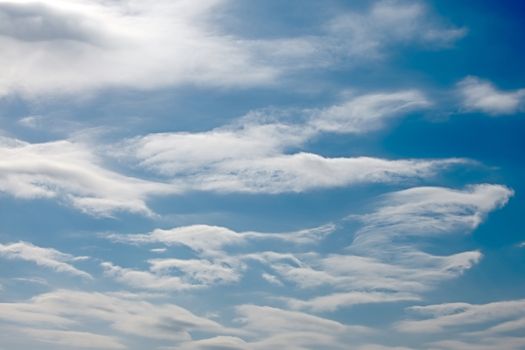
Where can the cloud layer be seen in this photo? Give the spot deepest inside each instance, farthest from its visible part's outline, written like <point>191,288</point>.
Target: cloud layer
<point>57,47</point>
<point>378,265</point>
<point>333,214</point>
<point>70,172</point>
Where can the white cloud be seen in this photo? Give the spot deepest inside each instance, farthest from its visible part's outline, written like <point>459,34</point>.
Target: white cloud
<point>368,112</point>
<point>32,121</point>
<point>70,46</point>
<point>145,279</point>
<point>72,339</point>
<point>213,265</point>
<point>201,271</point>
<point>270,320</point>
<point>264,135</point>
<point>124,314</point>
<point>424,211</point>
<point>220,342</point>
<point>70,172</point>
<point>488,343</point>
<point>250,155</point>
<point>389,23</point>
<point>464,326</point>
<point>254,154</point>
<point>47,257</point>
<point>333,302</point>
<point>382,264</point>
<point>305,171</point>
<point>33,280</point>
<point>272,328</point>
<point>459,315</point>
<point>71,317</point>
<point>200,238</point>
<point>355,37</point>
<point>211,240</point>
<point>158,250</point>
<point>482,96</point>
<point>389,274</point>
<point>289,340</point>
<point>379,266</point>
<point>271,279</point>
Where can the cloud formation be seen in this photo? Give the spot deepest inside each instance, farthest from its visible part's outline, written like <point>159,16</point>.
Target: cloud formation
<point>378,265</point>
<point>424,211</point>
<point>46,257</point>
<point>57,47</point>
<point>54,317</point>
<point>73,46</point>
<point>384,262</point>
<point>482,96</point>
<point>389,23</point>
<point>123,313</point>
<point>70,172</point>
<point>440,317</point>
<point>470,326</point>
<point>329,87</point>
<point>255,154</point>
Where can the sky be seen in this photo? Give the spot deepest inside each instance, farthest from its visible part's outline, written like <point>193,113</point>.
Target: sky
<point>226,174</point>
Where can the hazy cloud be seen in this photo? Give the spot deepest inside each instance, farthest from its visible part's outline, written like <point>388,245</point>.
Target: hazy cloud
<point>482,96</point>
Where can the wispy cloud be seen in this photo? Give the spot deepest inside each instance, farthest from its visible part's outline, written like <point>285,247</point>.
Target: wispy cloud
<point>70,172</point>
<point>256,175</point>
<point>124,314</point>
<point>482,96</point>
<point>272,328</point>
<point>212,264</point>
<point>383,263</point>
<point>390,22</point>
<point>211,240</point>
<point>72,46</point>
<point>470,326</point>
<point>251,155</point>
<point>425,211</point>
<point>257,155</point>
<point>297,339</point>
<point>441,317</point>
<point>145,279</point>
<point>47,257</point>
<point>335,301</point>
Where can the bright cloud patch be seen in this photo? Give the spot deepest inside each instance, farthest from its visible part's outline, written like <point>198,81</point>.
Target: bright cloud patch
<point>71,46</point>
<point>122,313</point>
<point>64,46</point>
<point>70,172</point>
<point>46,257</point>
<point>482,96</point>
<point>252,154</point>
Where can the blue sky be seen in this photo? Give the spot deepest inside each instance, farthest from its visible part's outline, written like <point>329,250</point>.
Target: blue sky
<point>257,175</point>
